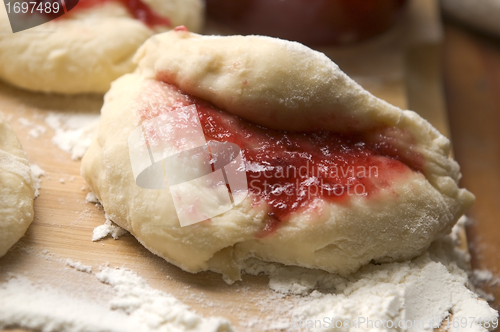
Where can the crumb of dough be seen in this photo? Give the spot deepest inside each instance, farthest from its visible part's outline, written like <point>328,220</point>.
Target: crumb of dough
<point>107,229</point>
<point>36,174</point>
<point>91,197</point>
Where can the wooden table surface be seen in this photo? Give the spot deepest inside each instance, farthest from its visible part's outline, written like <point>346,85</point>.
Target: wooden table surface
<point>471,74</point>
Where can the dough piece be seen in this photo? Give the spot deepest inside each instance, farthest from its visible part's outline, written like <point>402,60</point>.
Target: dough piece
<point>86,49</point>
<point>482,14</point>
<point>16,189</point>
<point>285,86</point>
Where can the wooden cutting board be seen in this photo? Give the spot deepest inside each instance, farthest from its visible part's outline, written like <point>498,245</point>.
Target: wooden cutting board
<point>401,67</point>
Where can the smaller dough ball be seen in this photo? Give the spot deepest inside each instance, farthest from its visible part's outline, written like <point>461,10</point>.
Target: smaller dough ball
<point>87,49</point>
<point>16,189</point>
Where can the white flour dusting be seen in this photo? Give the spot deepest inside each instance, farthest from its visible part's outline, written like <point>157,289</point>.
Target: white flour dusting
<point>73,132</point>
<point>484,276</point>
<point>481,277</point>
<point>135,307</point>
<point>79,266</point>
<point>36,174</point>
<point>420,291</point>
<point>108,229</point>
<point>155,309</point>
<point>425,290</point>
<point>47,309</point>
<point>35,129</point>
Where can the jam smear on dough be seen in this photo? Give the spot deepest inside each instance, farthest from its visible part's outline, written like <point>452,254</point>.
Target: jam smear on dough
<point>289,170</point>
<point>181,28</point>
<point>137,8</point>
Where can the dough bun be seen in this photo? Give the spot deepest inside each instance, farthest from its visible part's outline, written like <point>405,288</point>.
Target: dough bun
<point>16,189</point>
<point>87,49</point>
<point>287,86</point>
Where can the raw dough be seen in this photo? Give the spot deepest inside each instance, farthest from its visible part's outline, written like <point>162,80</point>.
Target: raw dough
<point>287,86</point>
<point>16,189</point>
<point>85,50</point>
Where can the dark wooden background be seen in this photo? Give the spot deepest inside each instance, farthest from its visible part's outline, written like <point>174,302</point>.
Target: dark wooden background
<point>471,75</point>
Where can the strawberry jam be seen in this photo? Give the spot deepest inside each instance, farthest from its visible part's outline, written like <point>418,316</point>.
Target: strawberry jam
<point>137,8</point>
<point>290,170</point>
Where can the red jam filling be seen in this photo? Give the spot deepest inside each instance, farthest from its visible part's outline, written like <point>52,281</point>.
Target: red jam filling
<point>137,8</point>
<point>181,28</point>
<point>290,170</point>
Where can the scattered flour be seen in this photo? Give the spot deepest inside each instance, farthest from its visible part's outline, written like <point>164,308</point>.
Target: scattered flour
<point>79,266</point>
<point>484,276</point>
<point>36,174</point>
<point>35,129</point>
<point>73,133</point>
<point>484,295</point>
<point>155,309</point>
<point>422,290</point>
<point>47,309</point>
<point>135,307</point>
<point>481,277</point>
<point>427,289</point>
<point>108,229</point>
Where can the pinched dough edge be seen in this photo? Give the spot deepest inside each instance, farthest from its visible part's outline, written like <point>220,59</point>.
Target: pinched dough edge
<point>281,85</point>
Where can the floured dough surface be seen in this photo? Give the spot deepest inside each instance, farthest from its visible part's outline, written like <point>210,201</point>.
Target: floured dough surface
<point>16,190</point>
<point>284,86</point>
<point>86,49</point>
